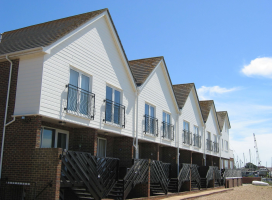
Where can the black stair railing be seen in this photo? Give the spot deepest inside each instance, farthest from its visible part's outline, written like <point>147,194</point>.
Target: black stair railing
<point>80,102</point>
<point>167,131</point>
<point>97,175</point>
<point>158,175</point>
<point>195,175</point>
<point>151,125</point>
<point>167,169</point>
<point>184,175</point>
<point>115,113</point>
<point>217,175</point>
<point>210,175</point>
<point>187,137</point>
<point>136,174</point>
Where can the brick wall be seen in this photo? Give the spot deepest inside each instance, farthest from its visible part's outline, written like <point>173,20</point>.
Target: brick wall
<point>124,150</point>
<point>197,158</point>
<point>149,151</point>
<point>4,75</point>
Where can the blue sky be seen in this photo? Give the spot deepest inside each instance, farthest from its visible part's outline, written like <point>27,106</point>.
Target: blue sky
<point>224,47</point>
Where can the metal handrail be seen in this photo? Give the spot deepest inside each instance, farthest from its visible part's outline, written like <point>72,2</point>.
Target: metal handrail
<point>168,130</point>
<point>151,125</point>
<point>187,137</point>
<point>209,145</point>
<point>115,113</point>
<point>216,147</point>
<point>80,102</point>
<point>197,140</point>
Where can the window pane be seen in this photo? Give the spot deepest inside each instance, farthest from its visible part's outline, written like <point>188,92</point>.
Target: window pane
<point>48,138</point>
<point>72,93</point>
<point>101,148</point>
<point>146,109</point>
<point>152,111</point>
<point>164,116</point>
<point>108,104</point>
<point>62,139</point>
<point>74,77</point>
<point>117,107</point>
<point>186,126</point>
<point>168,118</point>
<point>84,96</point>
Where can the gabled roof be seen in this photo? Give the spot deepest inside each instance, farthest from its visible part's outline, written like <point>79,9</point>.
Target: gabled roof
<point>182,92</point>
<point>221,115</point>
<point>142,68</point>
<point>43,34</point>
<point>205,108</point>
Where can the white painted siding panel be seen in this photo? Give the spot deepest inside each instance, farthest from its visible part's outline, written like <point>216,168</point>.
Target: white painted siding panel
<point>225,137</point>
<point>29,85</point>
<point>191,114</point>
<point>157,93</point>
<point>211,126</point>
<point>93,52</point>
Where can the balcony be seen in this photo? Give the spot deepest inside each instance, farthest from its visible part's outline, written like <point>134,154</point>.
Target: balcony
<point>187,137</point>
<point>209,145</point>
<point>114,113</point>
<point>168,131</point>
<point>80,102</point>
<point>197,140</point>
<point>151,125</point>
<point>216,147</point>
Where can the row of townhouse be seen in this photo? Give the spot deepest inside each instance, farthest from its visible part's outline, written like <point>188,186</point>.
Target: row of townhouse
<point>67,84</point>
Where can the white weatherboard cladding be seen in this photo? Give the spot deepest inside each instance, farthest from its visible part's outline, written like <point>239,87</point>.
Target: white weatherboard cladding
<point>29,85</point>
<point>92,51</point>
<point>157,93</point>
<point>191,113</point>
<point>225,137</point>
<point>212,127</point>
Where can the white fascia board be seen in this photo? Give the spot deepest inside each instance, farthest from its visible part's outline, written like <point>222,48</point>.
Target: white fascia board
<point>197,103</point>
<point>17,54</point>
<point>216,119</point>
<point>120,50</point>
<point>167,80</point>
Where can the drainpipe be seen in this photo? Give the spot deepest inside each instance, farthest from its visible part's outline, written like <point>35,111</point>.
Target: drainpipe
<point>204,155</point>
<point>136,137</point>
<point>219,142</point>
<point>177,139</point>
<point>5,119</point>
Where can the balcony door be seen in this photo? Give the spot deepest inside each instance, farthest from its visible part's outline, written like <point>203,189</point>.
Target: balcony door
<point>101,147</point>
<point>113,105</point>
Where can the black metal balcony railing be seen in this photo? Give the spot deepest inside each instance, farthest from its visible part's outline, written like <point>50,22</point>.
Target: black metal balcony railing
<point>187,137</point>
<point>209,145</point>
<point>197,140</point>
<point>114,113</point>
<point>168,131</point>
<point>80,102</point>
<point>215,147</point>
<point>151,125</point>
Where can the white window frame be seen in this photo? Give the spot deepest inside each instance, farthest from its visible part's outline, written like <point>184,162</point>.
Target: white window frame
<point>196,127</point>
<point>170,118</point>
<point>226,145</point>
<point>149,111</point>
<point>57,131</point>
<point>113,97</point>
<point>100,138</point>
<point>184,121</point>
<point>80,73</point>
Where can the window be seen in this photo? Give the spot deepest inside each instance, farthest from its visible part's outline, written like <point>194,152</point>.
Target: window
<point>186,133</point>
<point>101,147</point>
<point>209,142</point>
<point>80,98</point>
<point>54,138</point>
<point>226,164</point>
<point>196,137</point>
<point>231,164</point>
<point>150,120</point>
<point>113,105</point>
<point>167,126</point>
<point>227,145</point>
<point>222,144</point>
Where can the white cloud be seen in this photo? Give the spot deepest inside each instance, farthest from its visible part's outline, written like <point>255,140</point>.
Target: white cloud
<point>259,67</point>
<point>207,92</point>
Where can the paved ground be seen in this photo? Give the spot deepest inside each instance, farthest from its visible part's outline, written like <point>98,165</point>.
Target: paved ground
<point>248,192</point>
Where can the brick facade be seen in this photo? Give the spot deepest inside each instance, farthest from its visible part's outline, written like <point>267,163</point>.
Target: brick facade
<point>169,155</point>
<point>149,151</point>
